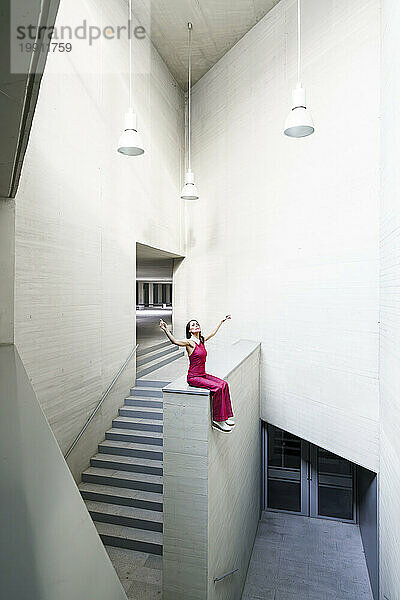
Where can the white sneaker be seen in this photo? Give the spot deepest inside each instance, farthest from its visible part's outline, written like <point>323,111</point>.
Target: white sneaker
<point>230,422</point>
<point>222,426</point>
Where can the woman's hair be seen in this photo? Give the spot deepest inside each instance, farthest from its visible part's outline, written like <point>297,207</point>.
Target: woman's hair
<point>189,335</point>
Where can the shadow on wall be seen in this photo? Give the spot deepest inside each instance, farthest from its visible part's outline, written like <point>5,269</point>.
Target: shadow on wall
<point>49,546</point>
<point>19,575</point>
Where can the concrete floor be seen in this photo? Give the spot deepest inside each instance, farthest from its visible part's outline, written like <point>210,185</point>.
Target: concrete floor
<point>139,573</point>
<point>298,558</point>
<point>148,331</point>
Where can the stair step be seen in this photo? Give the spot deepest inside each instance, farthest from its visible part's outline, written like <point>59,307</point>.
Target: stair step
<point>127,516</point>
<point>142,351</point>
<point>137,424</point>
<point>153,383</point>
<point>148,413</point>
<point>155,355</point>
<point>122,448</point>
<point>155,365</point>
<point>121,496</point>
<point>155,392</point>
<point>127,463</point>
<point>140,540</point>
<point>139,437</point>
<point>143,402</point>
<point>136,481</point>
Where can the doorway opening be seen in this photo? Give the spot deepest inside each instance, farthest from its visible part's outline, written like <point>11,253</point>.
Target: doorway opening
<point>304,479</point>
<point>154,301</point>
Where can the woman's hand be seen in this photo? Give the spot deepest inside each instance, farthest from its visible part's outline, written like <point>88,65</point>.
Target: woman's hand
<point>226,318</point>
<point>163,325</point>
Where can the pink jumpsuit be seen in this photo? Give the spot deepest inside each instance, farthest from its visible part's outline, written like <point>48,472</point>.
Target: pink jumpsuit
<point>198,377</point>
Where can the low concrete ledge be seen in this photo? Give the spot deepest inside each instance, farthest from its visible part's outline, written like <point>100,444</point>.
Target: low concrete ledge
<point>211,482</point>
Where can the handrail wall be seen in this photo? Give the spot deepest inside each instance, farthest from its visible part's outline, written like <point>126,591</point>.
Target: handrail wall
<point>104,396</point>
<point>49,545</point>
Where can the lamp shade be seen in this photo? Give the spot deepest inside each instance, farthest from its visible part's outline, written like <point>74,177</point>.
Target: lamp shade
<point>189,190</point>
<point>299,122</point>
<point>130,142</point>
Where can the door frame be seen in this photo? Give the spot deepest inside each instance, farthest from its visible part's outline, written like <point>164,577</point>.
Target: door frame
<point>314,489</point>
<point>304,477</point>
<point>308,482</point>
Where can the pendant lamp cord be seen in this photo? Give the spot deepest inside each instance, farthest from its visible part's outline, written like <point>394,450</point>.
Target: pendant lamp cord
<point>130,54</point>
<point>298,41</point>
<point>190,26</point>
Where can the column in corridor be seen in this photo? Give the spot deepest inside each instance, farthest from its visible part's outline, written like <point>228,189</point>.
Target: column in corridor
<point>140,299</point>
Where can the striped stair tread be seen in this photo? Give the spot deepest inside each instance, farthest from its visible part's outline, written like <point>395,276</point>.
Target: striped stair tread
<point>131,449</point>
<point>144,392</point>
<point>153,383</point>
<point>128,516</point>
<point>142,351</point>
<point>136,481</point>
<point>155,355</point>
<point>150,425</point>
<point>141,540</point>
<point>122,496</point>
<point>144,402</point>
<point>140,437</point>
<point>136,412</point>
<point>155,365</point>
<point>127,463</point>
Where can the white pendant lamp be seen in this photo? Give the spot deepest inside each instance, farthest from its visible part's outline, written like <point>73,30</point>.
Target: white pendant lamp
<point>189,190</point>
<point>130,142</point>
<point>299,122</point>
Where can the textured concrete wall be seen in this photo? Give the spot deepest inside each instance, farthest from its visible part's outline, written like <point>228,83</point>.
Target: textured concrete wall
<point>211,484</point>
<point>285,234</point>
<point>49,545</point>
<point>7,259</point>
<point>80,209</point>
<point>234,486</point>
<point>185,499</point>
<point>390,315</point>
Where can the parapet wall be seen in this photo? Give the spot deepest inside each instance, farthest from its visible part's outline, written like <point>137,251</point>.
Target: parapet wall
<point>211,482</point>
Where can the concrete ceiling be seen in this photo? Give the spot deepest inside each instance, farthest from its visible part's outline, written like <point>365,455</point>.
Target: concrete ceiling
<point>148,253</point>
<point>19,91</point>
<point>217,26</point>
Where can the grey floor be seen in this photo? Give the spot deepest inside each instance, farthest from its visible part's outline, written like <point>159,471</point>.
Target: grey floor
<point>139,573</point>
<point>148,331</point>
<point>298,558</point>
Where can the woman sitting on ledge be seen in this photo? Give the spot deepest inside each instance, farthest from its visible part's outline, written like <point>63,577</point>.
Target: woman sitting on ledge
<point>197,376</point>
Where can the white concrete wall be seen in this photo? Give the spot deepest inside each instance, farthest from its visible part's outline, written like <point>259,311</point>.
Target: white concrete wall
<point>234,479</point>
<point>390,315</point>
<point>285,234</point>
<point>80,209</point>
<point>49,545</point>
<point>7,259</point>
<point>211,482</point>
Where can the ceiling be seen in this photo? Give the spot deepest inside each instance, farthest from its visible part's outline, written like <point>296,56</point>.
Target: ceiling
<point>217,26</point>
<point>19,90</point>
<point>148,253</point>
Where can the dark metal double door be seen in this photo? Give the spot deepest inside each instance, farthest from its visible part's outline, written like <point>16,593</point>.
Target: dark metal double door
<point>305,479</point>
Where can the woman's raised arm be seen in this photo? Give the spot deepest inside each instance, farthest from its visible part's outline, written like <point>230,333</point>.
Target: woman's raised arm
<point>169,335</point>
<point>210,335</point>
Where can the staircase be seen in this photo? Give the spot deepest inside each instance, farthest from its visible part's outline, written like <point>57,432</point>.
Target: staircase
<point>123,487</point>
<point>156,356</point>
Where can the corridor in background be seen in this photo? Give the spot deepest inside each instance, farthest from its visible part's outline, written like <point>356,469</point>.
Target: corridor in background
<point>154,301</point>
